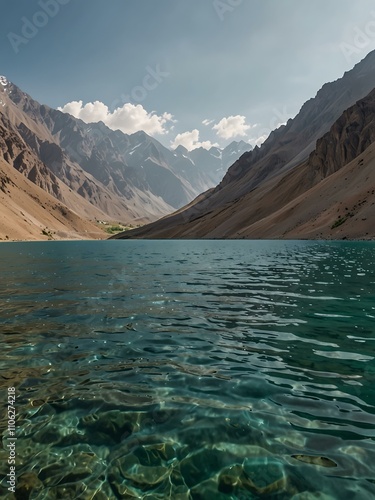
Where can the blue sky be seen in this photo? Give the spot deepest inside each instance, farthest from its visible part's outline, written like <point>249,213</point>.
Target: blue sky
<point>186,71</point>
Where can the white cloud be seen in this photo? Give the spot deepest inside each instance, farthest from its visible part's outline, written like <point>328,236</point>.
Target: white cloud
<point>207,122</point>
<point>129,118</point>
<point>91,112</point>
<point>190,140</point>
<point>231,127</point>
<point>259,141</point>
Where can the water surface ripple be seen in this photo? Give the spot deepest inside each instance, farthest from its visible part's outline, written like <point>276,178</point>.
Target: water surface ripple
<point>190,370</point>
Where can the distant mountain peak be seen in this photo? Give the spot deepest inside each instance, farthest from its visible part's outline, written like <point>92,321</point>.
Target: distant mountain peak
<point>4,81</point>
<point>141,134</point>
<point>238,144</point>
<point>301,178</point>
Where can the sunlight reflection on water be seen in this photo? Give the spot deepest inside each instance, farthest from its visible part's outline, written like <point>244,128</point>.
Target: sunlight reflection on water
<point>190,369</point>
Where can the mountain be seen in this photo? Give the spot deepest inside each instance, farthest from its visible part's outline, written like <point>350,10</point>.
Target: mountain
<point>64,157</point>
<point>97,172</point>
<point>207,167</point>
<point>273,191</point>
<point>27,212</point>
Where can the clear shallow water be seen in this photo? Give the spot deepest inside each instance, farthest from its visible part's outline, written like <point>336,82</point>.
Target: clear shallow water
<point>190,370</point>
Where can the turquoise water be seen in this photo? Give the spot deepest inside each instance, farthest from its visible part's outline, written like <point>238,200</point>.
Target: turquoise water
<point>189,370</point>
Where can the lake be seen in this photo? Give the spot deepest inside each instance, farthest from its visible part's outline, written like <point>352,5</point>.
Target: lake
<point>189,369</point>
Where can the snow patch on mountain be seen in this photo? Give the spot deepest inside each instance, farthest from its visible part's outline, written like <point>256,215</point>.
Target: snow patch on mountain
<point>189,159</point>
<point>132,151</point>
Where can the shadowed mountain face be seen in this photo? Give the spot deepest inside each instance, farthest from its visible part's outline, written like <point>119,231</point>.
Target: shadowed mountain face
<point>350,136</point>
<point>108,174</point>
<point>260,196</point>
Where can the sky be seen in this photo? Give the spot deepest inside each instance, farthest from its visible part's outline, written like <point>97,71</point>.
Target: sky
<point>191,72</point>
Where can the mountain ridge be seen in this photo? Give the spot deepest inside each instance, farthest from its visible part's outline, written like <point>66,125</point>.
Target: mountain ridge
<point>101,173</point>
<point>253,188</point>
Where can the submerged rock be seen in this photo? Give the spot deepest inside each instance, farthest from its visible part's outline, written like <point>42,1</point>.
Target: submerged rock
<point>229,479</point>
<point>264,471</point>
<point>28,485</point>
<point>131,468</point>
<point>120,485</point>
<point>107,427</point>
<point>315,460</point>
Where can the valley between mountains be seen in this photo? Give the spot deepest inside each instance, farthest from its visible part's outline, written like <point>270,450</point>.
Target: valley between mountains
<point>55,169</point>
<point>313,178</point>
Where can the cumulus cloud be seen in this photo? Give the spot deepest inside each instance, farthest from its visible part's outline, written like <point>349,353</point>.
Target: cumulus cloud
<point>190,140</point>
<point>232,126</point>
<point>89,113</point>
<point>129,118</point>
<point>207,122</point>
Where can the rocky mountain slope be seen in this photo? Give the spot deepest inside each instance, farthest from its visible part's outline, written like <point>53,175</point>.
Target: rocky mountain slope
<point>95,171</point>
<point>27,212</point>
<point>261,195</point>
<point>292,143</point>
<point>31,141</point>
